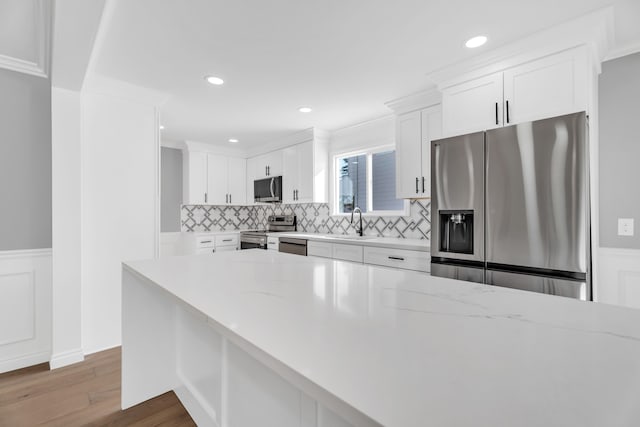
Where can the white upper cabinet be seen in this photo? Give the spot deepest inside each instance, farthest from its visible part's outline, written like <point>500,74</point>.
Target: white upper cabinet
<point>305,172</point>
<point>268,165</point>
<point>236,181</point>
<point>217,180</point>
<point>214,179</point>
<point>472,106</point>
<point>546,87</point>
<point>194,177</point>
<point>552,86</point>
<point>414,132</point>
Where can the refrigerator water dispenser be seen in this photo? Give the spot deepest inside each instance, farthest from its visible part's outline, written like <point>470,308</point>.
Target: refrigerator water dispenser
<point>456,231</point>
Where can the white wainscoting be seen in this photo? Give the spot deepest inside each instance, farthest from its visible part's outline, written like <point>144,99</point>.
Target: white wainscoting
<point>25,308</point>
<point>619,277</point>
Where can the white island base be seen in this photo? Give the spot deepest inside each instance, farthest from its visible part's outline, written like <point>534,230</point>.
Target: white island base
<point>261,338</point>
<point>221,379</point>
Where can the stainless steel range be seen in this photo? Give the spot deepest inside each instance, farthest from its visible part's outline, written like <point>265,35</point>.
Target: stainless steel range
<point>258,238</point>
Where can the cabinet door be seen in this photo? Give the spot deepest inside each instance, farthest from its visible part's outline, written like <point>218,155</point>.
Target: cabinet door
<point>408,159</point>
<point>289,173</point>
<point>431,129</point>
<point>237,180</point>
<point>551,86</point>
<point>274,162</point>
<point>260,166</point>
<point>216,179</point>
<point>252,166</point>
<point>472,106</point>
<point>306,172</point>
<point>195,174</point>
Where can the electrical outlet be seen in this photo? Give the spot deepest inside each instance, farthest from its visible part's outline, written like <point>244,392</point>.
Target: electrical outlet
<point>625,226</point>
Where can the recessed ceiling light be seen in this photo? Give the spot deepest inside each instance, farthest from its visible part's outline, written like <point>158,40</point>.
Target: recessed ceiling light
<point>476,41</point>
<point>233,140</point>
<point>214,80</point>
<point>161,127</point>
<point>305,109</point>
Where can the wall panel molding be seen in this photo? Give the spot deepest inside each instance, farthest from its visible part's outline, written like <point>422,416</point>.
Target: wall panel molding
<point>25,308</point>
<point>40,67</point>
<point>619,277</point>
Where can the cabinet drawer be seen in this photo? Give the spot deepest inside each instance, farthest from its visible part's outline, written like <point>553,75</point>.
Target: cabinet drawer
<point>205,251</point>
<point>347,252</point>
<point>205,241</point>
<point>320,249</point>
<point>398,258</point>
<point>227,240</point>
<point>273,243</point>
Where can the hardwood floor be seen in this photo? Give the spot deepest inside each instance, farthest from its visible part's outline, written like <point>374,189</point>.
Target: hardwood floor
<point>84,394</point>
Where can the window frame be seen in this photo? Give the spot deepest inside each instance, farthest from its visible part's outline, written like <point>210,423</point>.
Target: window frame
<point>368,152</point>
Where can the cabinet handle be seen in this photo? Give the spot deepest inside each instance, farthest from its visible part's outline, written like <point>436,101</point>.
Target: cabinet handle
<point>507,111</point>
<point>205,197</point>
<point>205,241</point>
<point>417,180</point>
<point>229,198</point>
<point>496,113</point>
<point>227,240</point>
<point>397,258</point>
<point>423,184</point>
<point>266,171</point>
<point>297,197</point>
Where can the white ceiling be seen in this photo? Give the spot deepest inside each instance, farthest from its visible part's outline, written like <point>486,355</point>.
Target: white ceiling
<point>345,58</point>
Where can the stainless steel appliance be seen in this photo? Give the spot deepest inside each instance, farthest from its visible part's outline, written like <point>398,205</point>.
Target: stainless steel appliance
<point>257,239</point>
<point>510,207</point>
<point>268,189</point>
<point>293,246</point>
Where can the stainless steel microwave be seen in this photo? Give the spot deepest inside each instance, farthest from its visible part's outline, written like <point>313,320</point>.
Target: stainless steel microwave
<point>268,190</point>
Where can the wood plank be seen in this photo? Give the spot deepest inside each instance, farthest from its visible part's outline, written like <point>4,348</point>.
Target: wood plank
<point>86,393</point>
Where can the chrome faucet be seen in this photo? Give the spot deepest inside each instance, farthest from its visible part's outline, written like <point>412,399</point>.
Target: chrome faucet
<point>359,226</point>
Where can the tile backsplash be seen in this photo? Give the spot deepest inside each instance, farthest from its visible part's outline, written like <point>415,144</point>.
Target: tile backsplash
<point>312,218</point>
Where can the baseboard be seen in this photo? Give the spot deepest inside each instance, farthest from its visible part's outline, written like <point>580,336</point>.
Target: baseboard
<point>197,408</point>
<point>66,358</point>
<point>23,361</point>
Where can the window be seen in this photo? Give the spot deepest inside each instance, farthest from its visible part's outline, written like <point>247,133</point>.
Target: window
<point>367,180</point>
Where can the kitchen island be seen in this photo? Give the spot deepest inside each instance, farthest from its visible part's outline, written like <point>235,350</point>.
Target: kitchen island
<point>264,338</point>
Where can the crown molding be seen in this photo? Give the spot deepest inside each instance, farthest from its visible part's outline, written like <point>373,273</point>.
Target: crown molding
<point>41,67</point>
<point>194,146</point>
<point>289,140</point>
<point>415,101</point>
<point>619,52</point>
<point>594,29</point>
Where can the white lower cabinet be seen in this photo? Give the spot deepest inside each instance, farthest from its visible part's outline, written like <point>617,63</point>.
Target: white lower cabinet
<point>398,258</point>
<point>203,243</point>
<point>343,252</point>
<point>320,249</point>
<point>273,243</point>
<point>388,257</point>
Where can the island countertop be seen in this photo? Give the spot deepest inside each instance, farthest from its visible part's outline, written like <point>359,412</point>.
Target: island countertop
<point>408,349</point>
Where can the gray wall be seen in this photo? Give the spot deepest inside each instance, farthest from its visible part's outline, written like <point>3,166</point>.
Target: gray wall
<point>25,161</point>
<point>171,189</point>
<point>619,97</point>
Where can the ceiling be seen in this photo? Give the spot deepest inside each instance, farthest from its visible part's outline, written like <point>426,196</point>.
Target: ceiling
<point>344,58</point>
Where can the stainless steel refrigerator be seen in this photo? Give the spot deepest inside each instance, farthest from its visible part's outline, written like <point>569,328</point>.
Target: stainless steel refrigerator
<point>510,207</point>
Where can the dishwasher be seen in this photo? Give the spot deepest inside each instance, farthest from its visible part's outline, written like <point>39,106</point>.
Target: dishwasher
<point>293,246</point>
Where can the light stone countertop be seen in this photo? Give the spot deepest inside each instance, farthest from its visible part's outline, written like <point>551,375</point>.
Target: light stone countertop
<point>408,349</point>
<point>380,242</point>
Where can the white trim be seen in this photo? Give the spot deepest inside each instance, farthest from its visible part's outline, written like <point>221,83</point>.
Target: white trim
<point>66,358</point>
<point>176,145</point>
<point>415,101</point>
<point>619,52</point>
<point>333,175</point>
<point>26,253</point>
<point>43,45</point>
<point>24,361</point>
